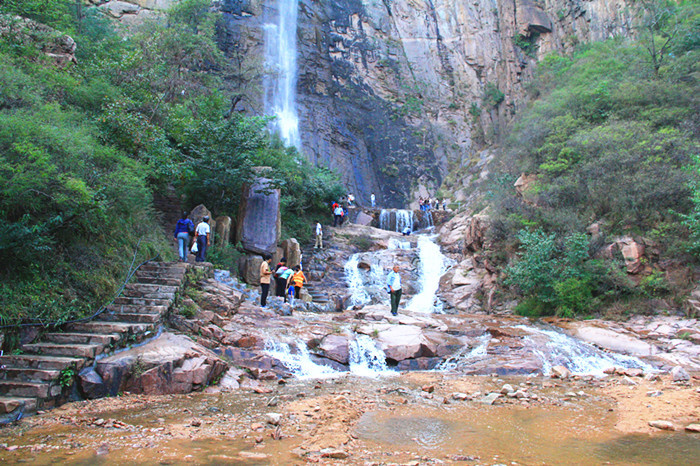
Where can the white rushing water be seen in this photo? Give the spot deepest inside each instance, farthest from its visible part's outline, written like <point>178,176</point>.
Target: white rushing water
<point>280,80</point>
<point>353,278</point>
<point>431,268</point>
<point>366,359</point>
<point>299,362</point>
<point>466,355</point>
<point>397,220</point>
<point>555,348</point>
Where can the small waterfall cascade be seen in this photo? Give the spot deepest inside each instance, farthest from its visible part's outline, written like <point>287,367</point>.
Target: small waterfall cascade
<point>280,80</point>
<point>555,348</point>
<point>398,244</point>
<point>365,275</point>
<point>366,360</point>
<point>397,220</point>
<point>299,362</point>
<point>466,355</point>
<point>431,268</point>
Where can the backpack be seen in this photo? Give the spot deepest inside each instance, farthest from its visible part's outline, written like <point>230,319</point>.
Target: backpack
<point>190,228</point>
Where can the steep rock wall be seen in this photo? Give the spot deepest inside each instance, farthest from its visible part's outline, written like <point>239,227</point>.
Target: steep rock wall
<point>393,94</point>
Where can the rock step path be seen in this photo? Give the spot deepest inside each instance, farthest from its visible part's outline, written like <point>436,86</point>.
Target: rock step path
<point>318,295</point>
<point>32,380</point>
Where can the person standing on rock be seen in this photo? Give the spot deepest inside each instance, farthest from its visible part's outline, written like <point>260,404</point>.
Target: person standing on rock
<point>394,286</point>
<point>202,236</point>
<point>337,215</point>
<point>297,280</point>
<point>280,268</point>
<point>372,200</point>
<point>319,236</point>
<point>183,229</point>
<point>265,274</point>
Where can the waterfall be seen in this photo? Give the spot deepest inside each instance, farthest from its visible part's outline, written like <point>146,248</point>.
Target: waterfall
<point>299,363</point>
<point>280,80</point>
<point>366,360</point>
<point>431,267</point>
<point>396,220</point>
<point>398,244</point>
<point>555,348</point>
<point>466,355</point>
<point>358,294</point>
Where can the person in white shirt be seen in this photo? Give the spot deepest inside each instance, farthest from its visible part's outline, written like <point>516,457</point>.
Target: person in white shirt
<point>319,236</point>
<point>372,198</point>
<point>202,236</point>
<point>394,286</point>
<point>337,216</point>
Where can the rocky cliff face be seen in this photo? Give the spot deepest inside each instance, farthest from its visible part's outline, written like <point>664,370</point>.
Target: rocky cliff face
<point>394,94</point>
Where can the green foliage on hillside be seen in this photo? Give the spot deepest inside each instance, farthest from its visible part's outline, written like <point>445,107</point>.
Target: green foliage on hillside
<point>610,134</point>
<point>82,149</point>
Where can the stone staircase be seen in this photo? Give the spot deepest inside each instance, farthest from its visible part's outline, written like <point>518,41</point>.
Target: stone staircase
<point>32,380</point>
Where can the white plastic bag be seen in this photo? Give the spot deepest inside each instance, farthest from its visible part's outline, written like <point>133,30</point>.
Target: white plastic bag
<point>194,248</point>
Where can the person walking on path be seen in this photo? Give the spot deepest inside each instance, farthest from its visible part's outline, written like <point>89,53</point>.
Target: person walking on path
<point>394,286</point>
<point>283,283</point>
<point>337,215</point>
<point>297,281</point>
<point>319,236</point>
<point>279,282</point>
<point>202,236</point>
<point>372,199</point>
<point>183,229</point>
<point>265,274</point>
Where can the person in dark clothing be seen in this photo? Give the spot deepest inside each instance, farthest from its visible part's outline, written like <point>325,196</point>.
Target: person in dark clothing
<point>280,283</point>
<point>183,230</point>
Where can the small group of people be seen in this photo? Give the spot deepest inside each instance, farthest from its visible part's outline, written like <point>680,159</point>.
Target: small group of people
<point>190,238</point>
<point>288,281</point>
<point>427,204</point>
<point>340,214</point>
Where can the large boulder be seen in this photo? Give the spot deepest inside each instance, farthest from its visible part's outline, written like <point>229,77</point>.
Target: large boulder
<point>223,230</point>
<point>531,18</point>
<point>166,365</point>
<point>198,213</point>
<point>260,224</point>
<point>335,347</point>
<point>249,269</point>
<point>401,342</point>
<point>292,252</point>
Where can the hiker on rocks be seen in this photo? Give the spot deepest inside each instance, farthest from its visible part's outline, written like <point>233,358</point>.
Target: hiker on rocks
<point>183,230</point>
<point>406,231</point>
<point>437,204</point>
<point>202,236</point>
<point>344,217</point>
<point>265,274</point>
<point>394,287</point>
<point>444,204</point>
<point>297,281</point>
<point>337,215</point>
<point>351,199</point>
<point>319,236</point>
<point>280,268</point>
<point>372,200</point>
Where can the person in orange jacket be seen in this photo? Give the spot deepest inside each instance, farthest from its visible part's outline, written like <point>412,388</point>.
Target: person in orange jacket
<point>297,281</point>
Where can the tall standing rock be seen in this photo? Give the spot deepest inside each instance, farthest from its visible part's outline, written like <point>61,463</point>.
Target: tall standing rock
<point>292,252</point>
<point>223,230</point>
<point>260,225</point>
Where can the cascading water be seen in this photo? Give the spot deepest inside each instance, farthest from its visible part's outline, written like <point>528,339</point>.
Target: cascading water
<point>299,362</point>
<point>432,267</point>
<point>555,348</point>
<point>397,220</point>
<point>366,360</point>
<point>280,81</point>
<point>467,355</point>
<point>353,277</point>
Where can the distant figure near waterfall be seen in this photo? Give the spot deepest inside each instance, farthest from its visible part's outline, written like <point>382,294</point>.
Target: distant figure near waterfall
<point>373,200</point>
<point>394,287</point>
<point>265,274</point>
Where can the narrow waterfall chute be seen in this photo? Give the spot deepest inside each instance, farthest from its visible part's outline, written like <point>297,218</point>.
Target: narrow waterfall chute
<point>280,81</point>
<point>397,220</point>
<point>366,359</point>
<point>298,362</point>
<point>431,268</point>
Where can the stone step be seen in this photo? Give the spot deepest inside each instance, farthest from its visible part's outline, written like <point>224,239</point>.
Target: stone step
<point>109,327</point>
<point>148,288</point>
<point>82,338</point>
<point>163,273</point>
<point>136,309</point>
<point>130,301</point>
<point>135,293</point>
<point>65,349</point>
<point>23,374</point>
<point>27,389</point>
<point>163,266</point>
<point>40,362</point>
<point>10,403</point>
<point>129,317</point>
<point>161,281</point>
